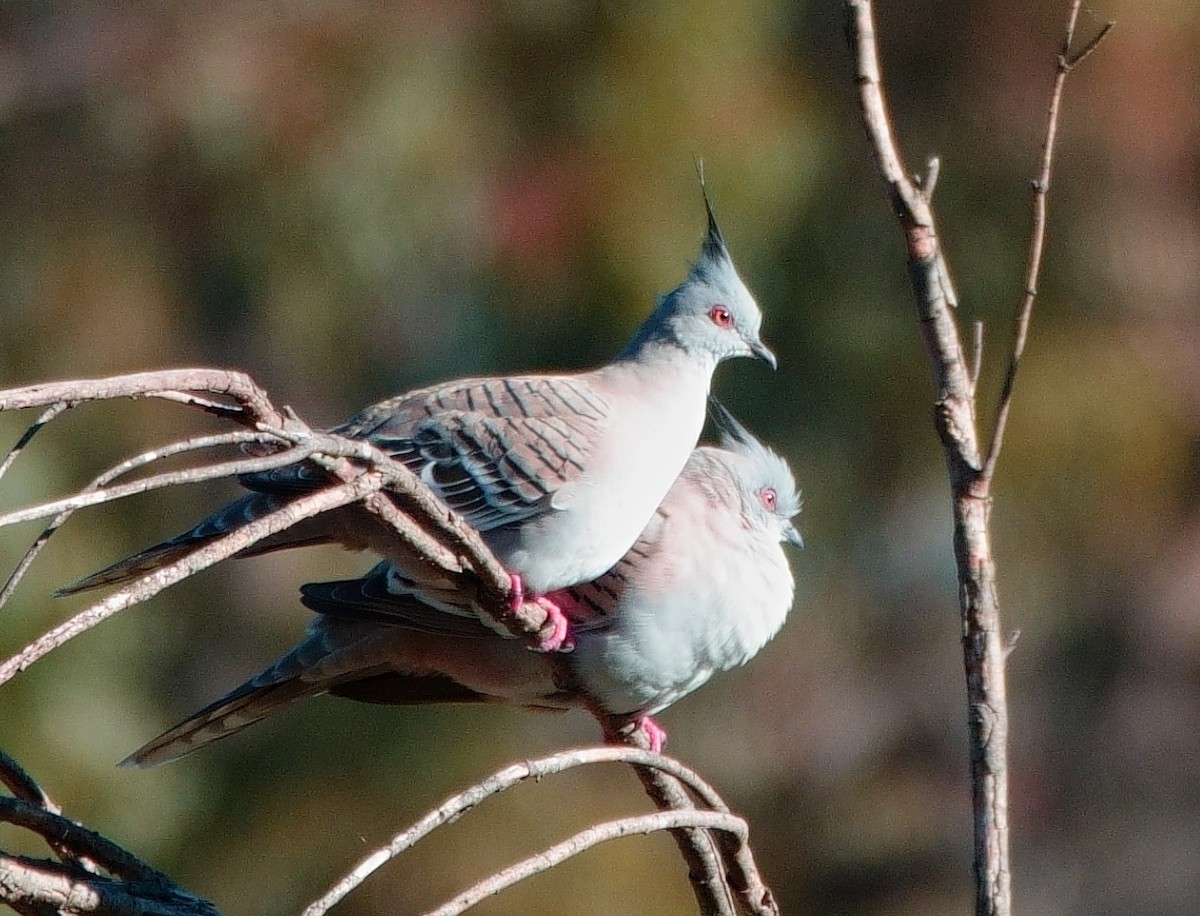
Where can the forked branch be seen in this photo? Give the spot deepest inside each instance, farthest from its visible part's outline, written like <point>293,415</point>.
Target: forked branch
<point>984,651</point>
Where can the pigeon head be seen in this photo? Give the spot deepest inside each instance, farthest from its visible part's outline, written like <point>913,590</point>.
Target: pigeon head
<point>769,496</point>
<point>711,314</point>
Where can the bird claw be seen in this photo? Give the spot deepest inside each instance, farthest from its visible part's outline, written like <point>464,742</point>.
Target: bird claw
<point>655,732</point>
<point>559,638</point>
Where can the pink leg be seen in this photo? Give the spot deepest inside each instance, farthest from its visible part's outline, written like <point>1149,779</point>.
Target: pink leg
<point>655,732</point>
<point>516,594</point>
<point>559,639</point>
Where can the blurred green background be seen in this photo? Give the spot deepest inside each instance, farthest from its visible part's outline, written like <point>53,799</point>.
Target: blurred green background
<point>348,199</point>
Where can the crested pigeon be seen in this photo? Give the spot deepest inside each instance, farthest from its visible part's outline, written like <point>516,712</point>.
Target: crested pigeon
<point>559,473</point>
<point>703,589</point>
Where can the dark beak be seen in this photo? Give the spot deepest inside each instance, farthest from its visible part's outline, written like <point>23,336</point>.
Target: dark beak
<point>792,536</point>
<point>760,351</point>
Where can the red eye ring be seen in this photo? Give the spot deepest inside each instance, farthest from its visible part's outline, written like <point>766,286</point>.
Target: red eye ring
<point>769,498</point>
<point>721,316</point>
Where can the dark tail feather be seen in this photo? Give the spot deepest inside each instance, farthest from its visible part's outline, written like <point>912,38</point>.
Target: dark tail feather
<point>217,525</point>
<point>249,703</point>
<point>136,566</point>
<point>225,717</point>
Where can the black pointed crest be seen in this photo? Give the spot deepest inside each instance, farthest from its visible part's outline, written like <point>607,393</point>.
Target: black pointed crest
<point>714,241</point>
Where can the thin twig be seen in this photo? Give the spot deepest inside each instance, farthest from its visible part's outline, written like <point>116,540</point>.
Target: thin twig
<point>26,789</point>
<point>23,786</point>
<point>1037,239</point>
<point>586,839</point>
<point>114,473</point>
<point>80,840</point>
<point>90,496</point>
<point>984,650</point>
<point>49,414</point>
<point>711,879</point>
<point>954,416</point>
<point>360,473</point>
<point>976,354</point>
<point>927,269</point>
<point>203,557</point>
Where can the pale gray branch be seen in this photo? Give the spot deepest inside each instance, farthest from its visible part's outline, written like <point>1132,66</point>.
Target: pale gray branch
<point>93,496</point>
<point>586,839</point>
<point>203,557</point>
<point>466,800</point>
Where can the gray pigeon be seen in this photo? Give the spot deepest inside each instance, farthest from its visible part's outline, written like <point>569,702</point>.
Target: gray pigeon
<point>703,589</point>
<point>559,473</point>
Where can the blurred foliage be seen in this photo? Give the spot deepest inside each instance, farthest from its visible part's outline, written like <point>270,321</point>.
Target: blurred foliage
<point>349,199</point>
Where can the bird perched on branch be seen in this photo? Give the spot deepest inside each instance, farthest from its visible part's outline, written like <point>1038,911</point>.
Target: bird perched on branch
<point>702,590</point>
<point>558,473</point>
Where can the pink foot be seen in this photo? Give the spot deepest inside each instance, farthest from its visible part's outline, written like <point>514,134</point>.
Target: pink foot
<point>655,732</point>
<point>559,638</point>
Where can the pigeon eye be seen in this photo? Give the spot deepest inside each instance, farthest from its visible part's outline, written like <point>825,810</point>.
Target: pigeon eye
<point>768,497</point>
<point>721,316</point>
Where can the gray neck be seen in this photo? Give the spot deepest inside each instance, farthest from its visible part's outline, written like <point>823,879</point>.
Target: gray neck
<point>656,340</point>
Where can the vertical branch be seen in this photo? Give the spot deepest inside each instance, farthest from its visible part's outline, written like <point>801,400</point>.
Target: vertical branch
<point>984,651</point>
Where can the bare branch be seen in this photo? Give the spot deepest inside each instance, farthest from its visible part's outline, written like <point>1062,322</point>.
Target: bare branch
<point>24,786</point>
<point>108,477</point>
<point>93,496</point>
<point>172,384</point>
<point>984,651</point>
<point>699,848</point>
<point>706,871</point>
<point>80,840</point>
<point>586,839</point>
<point>954,417</point>
<point>466,800</point>
<point>49,414</point>
<point>43,888</point>
<point>203,557</point>
<point>930,277</point>
<point>360,473</point>
<point>1041,188</point>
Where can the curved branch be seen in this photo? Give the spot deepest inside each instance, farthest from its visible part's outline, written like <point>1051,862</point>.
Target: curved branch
<point>92,495</point>
<point>49,414</point>
<point>586,839</point>
<point>108,477</point>
<point>251,404</point>
<point>460,803</point>
<point>79,840</point>
<point>201,558</point>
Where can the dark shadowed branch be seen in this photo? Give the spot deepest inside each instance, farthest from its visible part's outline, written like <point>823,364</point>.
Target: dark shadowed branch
<point>955,416</point>
<point>92,875</point>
